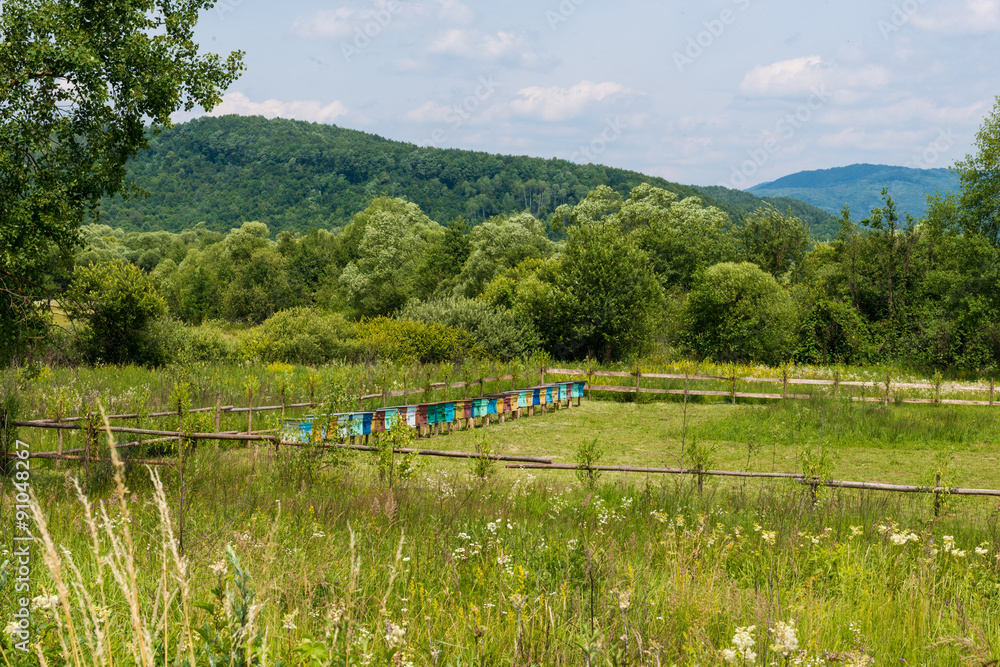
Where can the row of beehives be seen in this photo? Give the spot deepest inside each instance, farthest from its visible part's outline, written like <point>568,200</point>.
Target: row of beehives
<point>429,418</point>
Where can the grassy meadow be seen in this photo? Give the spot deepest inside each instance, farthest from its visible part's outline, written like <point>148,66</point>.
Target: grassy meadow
<point>309,557</point>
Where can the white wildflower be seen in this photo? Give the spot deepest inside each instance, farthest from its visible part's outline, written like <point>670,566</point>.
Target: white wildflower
<point>394,634</point>
<point>768,536</point>
<point>744,642</point>
<point>785,640</point>
<point>218,567</point>
<point>45,602</point>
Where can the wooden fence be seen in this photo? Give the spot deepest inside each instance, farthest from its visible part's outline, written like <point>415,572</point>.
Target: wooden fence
<point>883,390</point>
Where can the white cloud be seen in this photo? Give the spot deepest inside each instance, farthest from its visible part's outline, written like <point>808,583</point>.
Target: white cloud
<point>335,24</point>
<point>784,78</point>
<point>555,103</point>
<point>454,10</point>
<point>367,16</point>
<point>309,110</point>
<point>960,17</point>
<point>501,46</point>
<point>429,112</point>
<point>801,77</point>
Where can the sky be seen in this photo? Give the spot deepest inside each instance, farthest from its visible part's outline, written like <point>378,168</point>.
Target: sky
<point>724,92</point>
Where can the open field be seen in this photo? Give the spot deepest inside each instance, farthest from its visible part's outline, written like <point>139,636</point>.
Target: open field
<point>332,564</point>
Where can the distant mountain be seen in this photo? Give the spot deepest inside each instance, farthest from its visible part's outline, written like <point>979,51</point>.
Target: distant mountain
<point>823,225</point>
<point>294,175</point>
<point>860,186</point>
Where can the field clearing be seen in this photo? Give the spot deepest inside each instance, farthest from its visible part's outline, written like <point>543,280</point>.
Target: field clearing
<point>531,567</point>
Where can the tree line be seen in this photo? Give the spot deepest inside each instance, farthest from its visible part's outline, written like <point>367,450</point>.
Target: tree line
<point>610,277</point>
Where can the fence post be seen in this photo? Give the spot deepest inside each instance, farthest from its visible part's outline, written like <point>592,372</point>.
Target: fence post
<point>991,392</point>
<point>784,383</point>
<point>590,380</point>
<point>733,390</point>
<point>814,489</point>
<point>542,371</point>
<point>250,421</point>
<point>638,374</point>
<point>89,436</point>
<point>836,382</point>
<point>937,495</point>
<point>701,477</point>
<point>888,380</point>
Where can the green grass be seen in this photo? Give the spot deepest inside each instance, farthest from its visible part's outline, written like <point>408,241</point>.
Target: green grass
<point>640,569</point>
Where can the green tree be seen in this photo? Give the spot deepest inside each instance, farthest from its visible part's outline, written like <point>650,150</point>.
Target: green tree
<point>500,244</point>
<point>739,312</point>
<point>979,175</point>
<point>121,306</point>
<point>392,236</point>
<point>611,297</point>
<point>774,241</point>
<point>78,82</point>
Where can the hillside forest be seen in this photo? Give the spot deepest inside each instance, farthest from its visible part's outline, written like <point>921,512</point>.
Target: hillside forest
<point>609,278</point>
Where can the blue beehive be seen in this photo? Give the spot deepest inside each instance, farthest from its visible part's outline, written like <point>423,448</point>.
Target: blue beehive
<point>536,395</point>
<point>491,405</point>
<point>480,407</point>
<point>391,415</point>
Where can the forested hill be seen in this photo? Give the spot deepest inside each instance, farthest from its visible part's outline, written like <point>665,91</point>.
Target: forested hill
<point>860,186</point>
<point>296,175</point>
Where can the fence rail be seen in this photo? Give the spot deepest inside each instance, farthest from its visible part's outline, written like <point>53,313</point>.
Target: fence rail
<point>811,481</point>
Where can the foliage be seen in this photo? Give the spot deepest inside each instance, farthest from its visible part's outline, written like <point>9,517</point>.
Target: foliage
<point>773,241</point>
<point>588,455</point>
<point>297,176</point>
<point>499,333</point>
<point>120,305</point>
<point>608,297</point>
<point>392,469</point>
<point>737,312</point>
<point>980,193</point>
<point>409,340</point>
<point>392,237</point>
<point>74,106</point>
<point>499,244</point>
<point>833,333</point>
<point>298,335</point>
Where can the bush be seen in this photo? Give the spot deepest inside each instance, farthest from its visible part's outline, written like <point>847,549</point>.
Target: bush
<point>833,332</point>
<point>300,335</point>
<point>499,333</point>
<point>208,342</point>
<point>409,340</point>
<point>120,304</point>
<point>738,312</point>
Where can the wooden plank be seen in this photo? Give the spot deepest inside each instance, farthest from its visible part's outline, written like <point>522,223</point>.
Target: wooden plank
<point>613,374</point>
<point>565,371</point>
<point>537,460</point>
<point>681,376</point>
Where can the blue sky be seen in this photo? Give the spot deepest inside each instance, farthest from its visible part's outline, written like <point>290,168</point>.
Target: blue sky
<point>727,92</point>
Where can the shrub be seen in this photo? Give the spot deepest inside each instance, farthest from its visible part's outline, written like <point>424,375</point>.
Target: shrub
<point>499,333</point>
<point>738,312</point>
<point>120,304</point>
<point>409,340</point>
<point>833,332</point>
<point>298,335</point>
<point>208,342</point>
